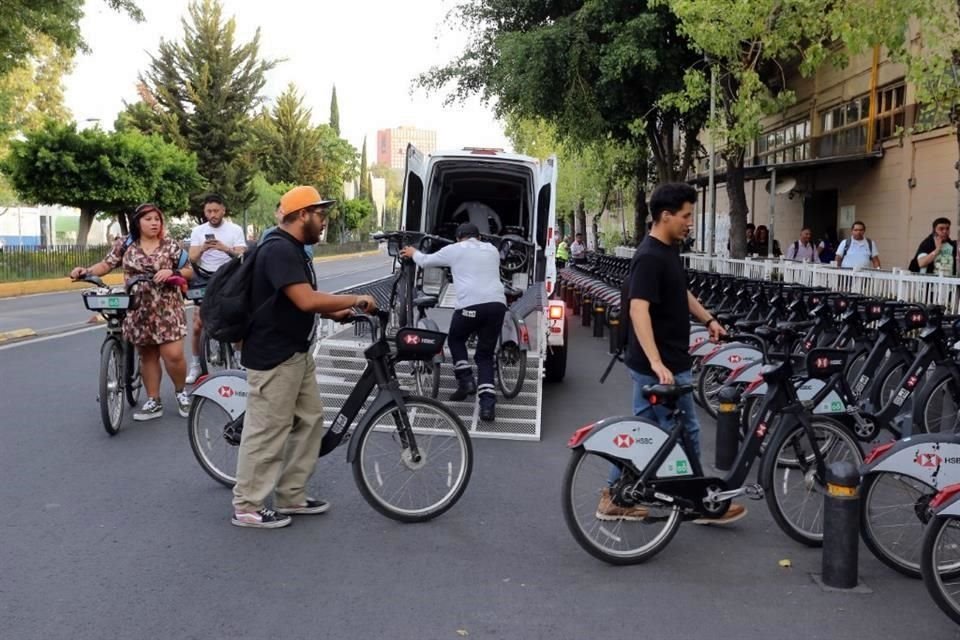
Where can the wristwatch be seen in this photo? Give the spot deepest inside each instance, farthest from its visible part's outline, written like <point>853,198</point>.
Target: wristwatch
<point>707,323</point>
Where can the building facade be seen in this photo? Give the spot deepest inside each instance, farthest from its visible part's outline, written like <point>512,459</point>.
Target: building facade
<point>392,144</point>
<point>847,151</point>
<point>46,226</point>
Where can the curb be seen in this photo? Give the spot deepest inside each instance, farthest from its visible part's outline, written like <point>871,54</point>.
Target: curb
<point>16,334</point>
<point>53,285</point>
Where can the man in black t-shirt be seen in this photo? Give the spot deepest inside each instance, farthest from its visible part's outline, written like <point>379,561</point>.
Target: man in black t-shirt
<point>282,427</point>
<point>659,328</point>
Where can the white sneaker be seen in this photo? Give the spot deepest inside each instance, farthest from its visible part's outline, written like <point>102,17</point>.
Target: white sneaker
<point>183,404</point>
<point>151,410</point>
<point>193,373</point>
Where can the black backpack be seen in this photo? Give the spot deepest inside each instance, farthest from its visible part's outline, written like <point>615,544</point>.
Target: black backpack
<point>227,308</point>
<point>622,335</point>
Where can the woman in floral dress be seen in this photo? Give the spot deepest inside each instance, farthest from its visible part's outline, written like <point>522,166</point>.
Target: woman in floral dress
<point>157,324</point>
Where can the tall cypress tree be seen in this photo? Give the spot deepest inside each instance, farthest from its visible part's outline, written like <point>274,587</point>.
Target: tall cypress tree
<point>364,174</point>
<point>205,90</point>
<point>334,112</point>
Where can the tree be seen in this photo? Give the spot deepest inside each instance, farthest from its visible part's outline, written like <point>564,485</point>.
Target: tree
<point>261,213</point>
<point>364,184</point>
<point>354,213</point>
<point>594,69</point>
<point>203,92</point>
<point>287,142</point>
<point>334,112</point>
<point>32,92</point>
<point>55,21</point>
<point>747,42</point>
<point>97,171</point>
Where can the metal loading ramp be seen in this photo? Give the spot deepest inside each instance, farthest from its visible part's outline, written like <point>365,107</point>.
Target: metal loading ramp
<point>339,358</point>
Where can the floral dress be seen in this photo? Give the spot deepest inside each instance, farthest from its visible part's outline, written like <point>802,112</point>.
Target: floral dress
<point>158,315</point>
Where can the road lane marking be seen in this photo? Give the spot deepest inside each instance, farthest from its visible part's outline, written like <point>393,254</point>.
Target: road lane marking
<point>51,337</point>
<point>6,336</point>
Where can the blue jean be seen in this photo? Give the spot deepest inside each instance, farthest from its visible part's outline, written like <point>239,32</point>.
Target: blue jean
<point>660,415</point>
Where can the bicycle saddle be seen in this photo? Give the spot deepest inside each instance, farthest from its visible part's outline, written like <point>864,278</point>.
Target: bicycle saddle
<point>665,393</point>
<point>748,325</point>
<point>425,302</point>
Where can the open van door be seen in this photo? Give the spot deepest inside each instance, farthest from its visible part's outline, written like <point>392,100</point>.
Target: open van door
<point>411,212</point>
<point>547,220</point>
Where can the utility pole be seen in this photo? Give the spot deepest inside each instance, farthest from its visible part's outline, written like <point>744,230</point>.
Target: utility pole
<point>712,150</point>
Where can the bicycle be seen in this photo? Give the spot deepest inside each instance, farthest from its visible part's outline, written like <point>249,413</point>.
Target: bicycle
<point>658,475</point>
<point>214,355</point>
<point>401,436</point>
<point>940,555</point>
<point>119,363</point>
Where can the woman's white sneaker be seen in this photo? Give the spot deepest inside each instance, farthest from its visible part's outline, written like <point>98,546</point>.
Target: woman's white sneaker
<point>151,410</point>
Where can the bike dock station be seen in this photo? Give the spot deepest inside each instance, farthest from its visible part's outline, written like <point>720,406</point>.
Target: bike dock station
<point>340,361</point>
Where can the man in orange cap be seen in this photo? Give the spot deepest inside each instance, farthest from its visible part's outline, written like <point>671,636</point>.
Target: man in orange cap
<point>282,428</point>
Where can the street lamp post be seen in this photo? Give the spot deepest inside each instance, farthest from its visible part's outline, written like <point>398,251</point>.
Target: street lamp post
<point>712,150</point>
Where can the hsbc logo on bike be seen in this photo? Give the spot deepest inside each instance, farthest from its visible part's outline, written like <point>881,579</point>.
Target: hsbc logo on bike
<point>734,359</point>
<point>624,441</point>
<point>928,460</point>
<point>411,338</point>
<point>229,392</point>
<point>761,429</point>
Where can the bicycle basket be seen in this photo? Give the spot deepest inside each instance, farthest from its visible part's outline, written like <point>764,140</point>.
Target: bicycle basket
<point>106,301</point>
<point>418,344</point>
<point>196,293</point>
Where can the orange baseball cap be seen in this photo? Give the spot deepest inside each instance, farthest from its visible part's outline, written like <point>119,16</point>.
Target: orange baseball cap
<point>302,197</point>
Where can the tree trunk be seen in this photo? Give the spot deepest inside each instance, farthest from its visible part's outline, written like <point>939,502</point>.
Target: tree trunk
<point>640,209</point>
<point>737,195</point>
<point>86,221</point>
<point>122,221</point>
<point>581,220</point>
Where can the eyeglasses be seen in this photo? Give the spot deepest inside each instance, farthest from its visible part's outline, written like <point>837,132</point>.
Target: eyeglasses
<point>321,210</point>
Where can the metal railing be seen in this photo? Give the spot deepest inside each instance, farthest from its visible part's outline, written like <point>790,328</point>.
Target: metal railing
<point>895,284</point>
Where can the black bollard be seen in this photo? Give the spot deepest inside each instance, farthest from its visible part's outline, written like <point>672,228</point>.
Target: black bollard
<point>599,318</point>
<point>586,309</point>
<point>573,299</point>
<point>613,320</point>
<point>841,521</point>
<point>728,429</point>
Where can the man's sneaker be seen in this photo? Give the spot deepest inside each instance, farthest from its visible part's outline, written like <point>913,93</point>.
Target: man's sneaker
<point>183,404</point>
<point>193,373</point>
<point>607,510</point>
<point>311,507</point>
<point>151,410</point>
<point>263,519</point>
<point>734,513</point>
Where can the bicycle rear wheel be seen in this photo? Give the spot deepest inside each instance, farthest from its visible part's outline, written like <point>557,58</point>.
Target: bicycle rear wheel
<point>133,382</point>
<point>396,484</point>
<point>939,559</point>
<point>937,406</point>
<point>893,516</point>
<point>214,439</point>
<point>111,385</point>
<point>709,384</point>
<point>792,481</point>
<point>617,540</point>
<point>511,368</point>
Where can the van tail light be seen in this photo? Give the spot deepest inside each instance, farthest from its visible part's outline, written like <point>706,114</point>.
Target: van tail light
<point>555,312</point>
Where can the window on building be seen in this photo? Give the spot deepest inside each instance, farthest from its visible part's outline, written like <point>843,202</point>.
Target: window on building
<point>784,144</point>
<point>844,126</point>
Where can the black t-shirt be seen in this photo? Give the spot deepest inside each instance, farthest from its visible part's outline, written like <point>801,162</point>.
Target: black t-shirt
<point>927,247</point>
<point>279,329</point>
<point>657,276</point>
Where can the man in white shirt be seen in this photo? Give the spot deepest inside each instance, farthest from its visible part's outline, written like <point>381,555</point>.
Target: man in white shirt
<point>578,250</point>
<point>804,248</point>
<point>481,305</point>
<point>212,245</point>
<point>857,251</point>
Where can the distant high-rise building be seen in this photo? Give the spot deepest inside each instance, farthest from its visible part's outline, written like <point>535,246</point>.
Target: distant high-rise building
<point>392,144</point>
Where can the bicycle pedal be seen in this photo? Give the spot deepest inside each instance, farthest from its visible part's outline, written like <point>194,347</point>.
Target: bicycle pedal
<point>753,491</point>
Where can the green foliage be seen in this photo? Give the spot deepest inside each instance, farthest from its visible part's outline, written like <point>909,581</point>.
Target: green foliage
<point>334,112</point>
<point>98,171</point>
<point>22,21</point>
<point>287,143</point>
<point>355,213</point>
<point>339,166</point>
<point>202,93</point>
<point>261,211</point>
<point>32,92</point>
<point>364,190</point>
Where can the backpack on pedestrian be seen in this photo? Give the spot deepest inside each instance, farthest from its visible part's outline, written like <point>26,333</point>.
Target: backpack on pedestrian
<point>227,310</point>
<point>845,246</point>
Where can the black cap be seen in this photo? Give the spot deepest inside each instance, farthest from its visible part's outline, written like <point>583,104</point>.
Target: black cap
<point>467,230</point>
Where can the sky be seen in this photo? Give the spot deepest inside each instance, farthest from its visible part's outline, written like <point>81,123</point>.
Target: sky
<point>370,49</point>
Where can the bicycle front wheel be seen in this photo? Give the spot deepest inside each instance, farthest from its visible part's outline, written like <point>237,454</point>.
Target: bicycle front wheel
<point>893,516</point>
<point>215,439</point>
<point>134,382</point>
<point>709,384</point>
<point>937,408</point>
<point>793,480</point>
<point>511,368</point>
<point>627,535</point>
<point>413,487</point>
<point>111,385</point>
<point>939,560</point>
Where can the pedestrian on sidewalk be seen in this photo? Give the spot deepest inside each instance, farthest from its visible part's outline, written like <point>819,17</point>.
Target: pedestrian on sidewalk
<point>804,249</point>
<point>212,245</point>
<point>157,323</point>
<point>937,253</point>
<point>578,250</point>
<point>282,427</point>
<point>659,330</point>
<point>858,251</point>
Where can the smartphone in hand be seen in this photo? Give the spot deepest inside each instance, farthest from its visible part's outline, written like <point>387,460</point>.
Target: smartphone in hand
<point>210,237</point>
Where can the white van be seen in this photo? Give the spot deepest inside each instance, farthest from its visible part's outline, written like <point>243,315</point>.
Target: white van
<point>505,194</point>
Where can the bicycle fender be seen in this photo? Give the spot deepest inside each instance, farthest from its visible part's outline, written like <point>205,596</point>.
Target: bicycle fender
<point>697,338</point>
<point>704,348</point>
<point>933,459</point>
<point>379,402</point>
<point>951,504</point>
<point>516,334</point>
<point>747,375</point>
<point>228,389</point>
<point>638,441</point>
<point>732,356</point>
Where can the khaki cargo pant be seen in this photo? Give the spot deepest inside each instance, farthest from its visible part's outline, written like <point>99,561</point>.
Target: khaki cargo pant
<point>282,432</point>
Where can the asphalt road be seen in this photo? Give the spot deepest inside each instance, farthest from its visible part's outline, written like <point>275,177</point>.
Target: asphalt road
<point>56,312</point>
<point>126,537</point>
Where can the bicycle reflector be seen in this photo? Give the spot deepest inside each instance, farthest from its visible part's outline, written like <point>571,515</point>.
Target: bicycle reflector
<point>944,496</point>
<point>877,452</point>
<point>579,435</point>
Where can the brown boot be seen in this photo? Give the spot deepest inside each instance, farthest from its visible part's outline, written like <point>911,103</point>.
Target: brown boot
<point>607,510</point>
<point>734,513</point>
